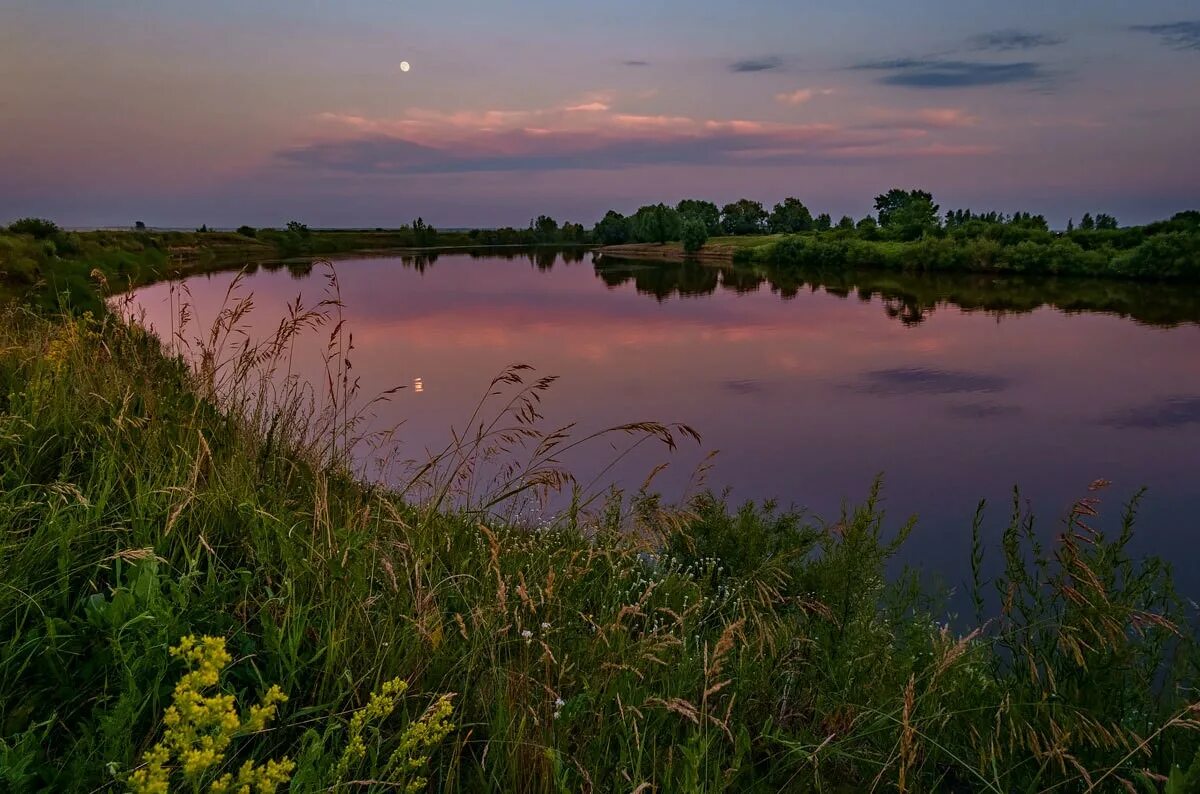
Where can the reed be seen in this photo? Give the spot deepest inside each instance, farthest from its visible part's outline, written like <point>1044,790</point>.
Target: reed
<point>156,489</point>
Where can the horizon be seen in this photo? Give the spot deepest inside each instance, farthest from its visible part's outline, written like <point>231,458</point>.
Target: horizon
<point>180,116</point>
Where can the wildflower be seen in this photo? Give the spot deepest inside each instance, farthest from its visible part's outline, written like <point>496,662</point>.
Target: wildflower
<point>545,627</point>
<point>200,727</point>
<point>528,635</point>
<point>559,703</point>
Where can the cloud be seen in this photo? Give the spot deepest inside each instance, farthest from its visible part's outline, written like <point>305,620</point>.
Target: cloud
<point>635,63</point>
<point>587,106</point>
<point>1166,413</point>
<point>589,134</point>
<point>935,73</point>
<point>920,380</point>
<point>923,118</point>
<point>767,64</point>
<point>744,386</point>
<point>1177,35</point>
<point>1008,40</point>
<point>801,96</point>
<point>982,410</point>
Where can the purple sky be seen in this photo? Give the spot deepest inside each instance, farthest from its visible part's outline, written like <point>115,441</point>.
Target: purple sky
<point>226,113</point>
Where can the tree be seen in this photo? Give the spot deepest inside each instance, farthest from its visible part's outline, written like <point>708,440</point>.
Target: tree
<point>1087,223</point>
<point>705,211</point>
<point>743,217</point>
<point>613,229</point>
<point>572,232</point>
<point>1070,225</point>
<point>298,228</point>
<point>247,231</point>
<point>907,213</point>
<point>655,223</point>
<point>139,225</point>
<point>1105,221</point>
<point>693,232</point>
<point>545,229</point>
<point>424,235</point>
<point>789,216</point>
<point>846,222</point>
<point>823,222</point>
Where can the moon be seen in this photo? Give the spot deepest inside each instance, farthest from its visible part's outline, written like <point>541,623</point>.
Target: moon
<point>404,67</point>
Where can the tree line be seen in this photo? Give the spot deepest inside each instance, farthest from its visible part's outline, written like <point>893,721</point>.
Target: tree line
<point>903,215</point>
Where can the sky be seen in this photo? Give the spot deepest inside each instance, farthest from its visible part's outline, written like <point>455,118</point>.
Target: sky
<point>227,113</point>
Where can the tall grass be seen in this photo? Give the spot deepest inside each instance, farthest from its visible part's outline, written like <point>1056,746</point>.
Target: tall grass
<point>152,490</point>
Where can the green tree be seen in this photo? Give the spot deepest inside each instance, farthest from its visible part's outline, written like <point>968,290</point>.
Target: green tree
<point>907,214</point>
<point>823,223</point>
<point>139,226</point>
<point>655,223</point>
<point>545,229</point>
<point>743,217</point>
<point>298,228</point>
<point>247,231</point>
<point>424,235</point>
<point>572,232</point>
<point>846,222</point>
<point>1087,223</point>
<point>693,232</point>
<point>613,229</point>
<point>705,211</point>
<point>790,216</point>
<point>1105,221</point>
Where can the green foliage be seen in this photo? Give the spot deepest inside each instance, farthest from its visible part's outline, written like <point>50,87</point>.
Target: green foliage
<point>545,229</point>
<point>790,216</point>
<point>424,235</point>
<point>655,223</point>
<point>743,217</point>
<point>613,229</point>
<point>38,228</point>
<point>693,233</point>
<point>705,211</point>
<point>247,231</point>
<point>907,214</point>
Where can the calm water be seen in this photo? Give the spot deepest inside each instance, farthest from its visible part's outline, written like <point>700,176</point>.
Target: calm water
<point>956,389</point>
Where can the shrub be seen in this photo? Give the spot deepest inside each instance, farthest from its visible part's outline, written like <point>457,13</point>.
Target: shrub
<point>39,228</point>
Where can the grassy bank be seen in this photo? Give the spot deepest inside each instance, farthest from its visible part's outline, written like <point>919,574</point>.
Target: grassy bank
<point>630,647</point>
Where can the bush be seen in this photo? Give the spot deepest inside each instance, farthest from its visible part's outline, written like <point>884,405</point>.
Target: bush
<point>247,231</point>
<point>38,228</point>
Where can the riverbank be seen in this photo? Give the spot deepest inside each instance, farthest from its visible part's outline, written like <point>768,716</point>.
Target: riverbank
<point>1169,251</point>
<point>705,647</point>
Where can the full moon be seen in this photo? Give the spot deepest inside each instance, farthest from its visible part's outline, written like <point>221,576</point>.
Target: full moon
<point>404,67</point>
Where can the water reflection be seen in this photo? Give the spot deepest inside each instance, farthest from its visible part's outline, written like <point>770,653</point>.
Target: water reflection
<point>955,387</point>
<point>913,298</point>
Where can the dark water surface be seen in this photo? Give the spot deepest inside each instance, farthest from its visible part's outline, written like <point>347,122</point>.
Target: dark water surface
<point>955,388</point>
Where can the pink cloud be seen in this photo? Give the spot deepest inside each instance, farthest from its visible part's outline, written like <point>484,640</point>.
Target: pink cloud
<point>590,134</point>
<point>925,118</point>
<point>801,96</point>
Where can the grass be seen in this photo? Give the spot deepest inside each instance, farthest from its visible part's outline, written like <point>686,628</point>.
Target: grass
<point>626,645</point>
